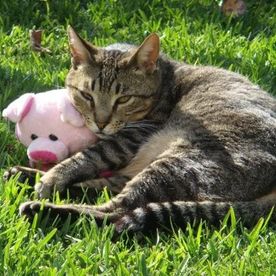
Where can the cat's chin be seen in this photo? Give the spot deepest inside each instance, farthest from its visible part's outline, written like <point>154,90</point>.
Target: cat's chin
<point>109,132</point>
<point>101,135</point>
<point>104,133</point>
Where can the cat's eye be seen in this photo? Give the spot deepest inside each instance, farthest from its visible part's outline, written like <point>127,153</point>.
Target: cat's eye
<point>123,99</point>
<point>33,136</point>
<point>87,96</point>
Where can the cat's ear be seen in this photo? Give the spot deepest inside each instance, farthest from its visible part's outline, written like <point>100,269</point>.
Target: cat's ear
<point>146,55</point>
<point>82,52</point>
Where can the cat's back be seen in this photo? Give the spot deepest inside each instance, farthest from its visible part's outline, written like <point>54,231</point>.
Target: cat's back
<point>222,109</point>
<point>218,97</point>
<point>211,85</point>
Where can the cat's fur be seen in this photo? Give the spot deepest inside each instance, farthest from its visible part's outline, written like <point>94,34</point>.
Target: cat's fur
<point>194,140</point>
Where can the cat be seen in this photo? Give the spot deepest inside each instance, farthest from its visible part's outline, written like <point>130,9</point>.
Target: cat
<point>192,140</point>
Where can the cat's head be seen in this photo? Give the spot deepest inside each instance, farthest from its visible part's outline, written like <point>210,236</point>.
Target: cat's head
<point>114,85</point>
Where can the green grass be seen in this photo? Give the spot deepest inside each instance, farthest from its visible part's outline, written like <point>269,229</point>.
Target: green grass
<point>190,30</point>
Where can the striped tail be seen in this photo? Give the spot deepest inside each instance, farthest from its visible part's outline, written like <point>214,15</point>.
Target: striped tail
<point>179,213</point>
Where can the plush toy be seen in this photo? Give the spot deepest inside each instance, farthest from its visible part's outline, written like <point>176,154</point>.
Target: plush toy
<point>49,126</point>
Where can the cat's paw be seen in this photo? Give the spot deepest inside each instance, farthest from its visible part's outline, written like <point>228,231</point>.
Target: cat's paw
<point>50,183</point>
<point>26,173</point>
<point>30,208</point>
<point>10,172</point>
<point>44,190</point>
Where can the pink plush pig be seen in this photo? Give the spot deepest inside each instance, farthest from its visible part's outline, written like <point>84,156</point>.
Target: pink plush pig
<point>49,126</point>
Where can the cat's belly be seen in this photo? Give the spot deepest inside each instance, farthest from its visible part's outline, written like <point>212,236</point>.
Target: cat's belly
<point>159,145</point>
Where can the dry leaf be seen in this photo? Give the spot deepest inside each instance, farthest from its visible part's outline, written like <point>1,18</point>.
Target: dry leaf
<point>35,39</point>
<point>233,7</point>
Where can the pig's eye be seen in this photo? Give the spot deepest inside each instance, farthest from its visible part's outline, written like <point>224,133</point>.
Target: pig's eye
<point>53,137</point>
<point>33,136</point>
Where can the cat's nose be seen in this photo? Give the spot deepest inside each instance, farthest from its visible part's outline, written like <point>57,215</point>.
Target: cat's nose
<point>101,125</point>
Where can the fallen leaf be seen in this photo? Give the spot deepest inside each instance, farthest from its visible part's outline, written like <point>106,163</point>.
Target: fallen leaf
<point>35,39</point>
<point>233,7</point>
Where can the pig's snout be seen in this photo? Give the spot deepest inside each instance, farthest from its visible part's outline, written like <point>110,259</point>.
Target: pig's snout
<point>46,151</point>
<point>43,156</point>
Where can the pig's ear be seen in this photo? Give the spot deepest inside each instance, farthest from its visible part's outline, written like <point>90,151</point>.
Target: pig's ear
<point>19,108</point>
<point>68,113</point>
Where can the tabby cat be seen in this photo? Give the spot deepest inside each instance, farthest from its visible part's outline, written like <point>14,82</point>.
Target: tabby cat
<point>184,142</point>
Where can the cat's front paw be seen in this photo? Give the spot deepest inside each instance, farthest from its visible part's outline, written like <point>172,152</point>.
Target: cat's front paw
<point>49,183</point>
<point>44,190</point>
<point>10,172</point>
<point>26,173</point>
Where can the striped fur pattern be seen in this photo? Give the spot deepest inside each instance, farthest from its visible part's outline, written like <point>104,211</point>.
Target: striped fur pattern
<point>193,140</point>
<point>91,187</point>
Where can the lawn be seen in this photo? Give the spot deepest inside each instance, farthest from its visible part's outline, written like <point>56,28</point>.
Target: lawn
<point>193,31</point>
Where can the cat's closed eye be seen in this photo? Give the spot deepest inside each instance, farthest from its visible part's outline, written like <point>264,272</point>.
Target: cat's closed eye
<point>87,96</point>
<point>123,99</point>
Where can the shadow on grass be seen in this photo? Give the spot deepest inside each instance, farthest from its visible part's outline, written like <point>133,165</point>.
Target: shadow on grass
<point>259,17</point>
<point>13,83</point>
<point>31,13</point>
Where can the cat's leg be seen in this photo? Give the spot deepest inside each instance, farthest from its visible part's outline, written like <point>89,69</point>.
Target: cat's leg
<point>91,187</point>
<point>169,189</point>
<point>142,189</point>
<point>163,215</point>
<point>26,173</point>
<point>30,208</point>
<point>156,183</point>
<point>110,153</point>
<point>166,179</point>
<point>114,184</point>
